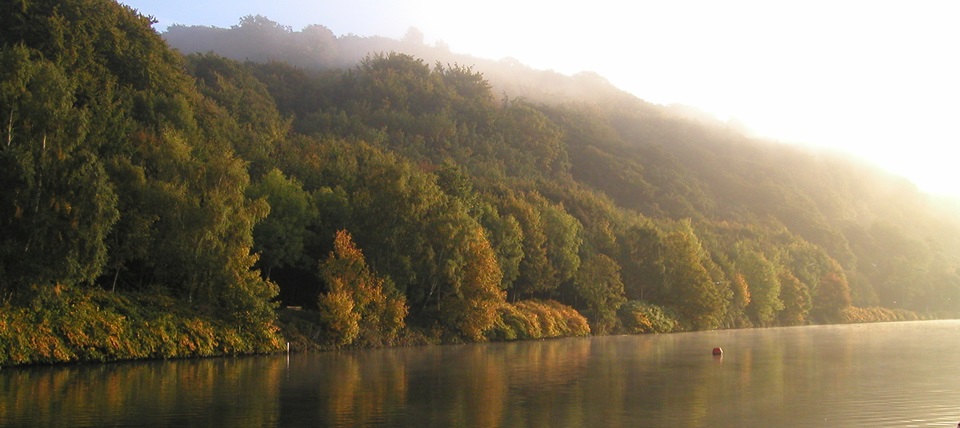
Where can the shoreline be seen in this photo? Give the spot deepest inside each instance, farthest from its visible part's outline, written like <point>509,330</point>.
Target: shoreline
<point>413,338</point>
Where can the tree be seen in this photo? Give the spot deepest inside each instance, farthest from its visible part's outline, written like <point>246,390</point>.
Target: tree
<point>737,313</point>
<point>534,267</point>
<point>470,306</point>
<point>532,142</point>
<point>796,299</point>
<point>339,316</point>
<point>506,238</point>
<point>641,258</point>
<point>700,300</point>
<point>57,204</point>
<point>413,36</point>
<point>831,297</point>
<point>764,286</point>
<point>316,46</point>
<point>471,102</point>
<point>257,38</point>
<point>598,284</point>
<point>359,305</point>
<point>280,237</point>
<point>564,238</point>
<point>234,88</point>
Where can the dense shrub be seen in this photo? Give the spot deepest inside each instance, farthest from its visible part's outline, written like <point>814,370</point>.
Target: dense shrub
<point>537,319</point>
<point>62,324</point>
<point>638,317</point>
<point>853,314</point>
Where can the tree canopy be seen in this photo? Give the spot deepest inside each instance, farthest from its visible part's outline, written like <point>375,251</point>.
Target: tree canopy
<point>401,196</point>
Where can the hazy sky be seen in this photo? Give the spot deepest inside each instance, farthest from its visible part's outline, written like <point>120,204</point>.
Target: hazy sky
<point>880,79</point>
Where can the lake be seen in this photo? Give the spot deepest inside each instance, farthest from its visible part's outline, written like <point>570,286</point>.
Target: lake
<point>864,375</point>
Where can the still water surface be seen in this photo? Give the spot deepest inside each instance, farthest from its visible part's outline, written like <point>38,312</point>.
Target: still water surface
<point>871,375</point>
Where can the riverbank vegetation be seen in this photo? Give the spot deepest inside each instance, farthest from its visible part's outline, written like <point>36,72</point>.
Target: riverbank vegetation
<point>156,204</point>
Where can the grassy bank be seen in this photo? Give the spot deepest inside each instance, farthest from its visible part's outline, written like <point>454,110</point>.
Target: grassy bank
<point>63,325</point>
<point>59,325</point>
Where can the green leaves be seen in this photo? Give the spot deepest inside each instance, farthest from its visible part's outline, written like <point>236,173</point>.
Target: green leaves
<point>257,125</point>
<point>57,204</point>
<point>118,168</point>
<point>690,289</point>
<point>281,236</point>
<point>112,159</point>
<point>764,285</point>
<point>598,284</point>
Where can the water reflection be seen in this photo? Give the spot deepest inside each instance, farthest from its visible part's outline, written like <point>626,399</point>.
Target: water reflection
<point>207,392</point>
<point>891,375</point>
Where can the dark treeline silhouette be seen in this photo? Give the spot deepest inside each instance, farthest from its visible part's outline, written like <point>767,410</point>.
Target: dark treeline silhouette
<point>161,205</point>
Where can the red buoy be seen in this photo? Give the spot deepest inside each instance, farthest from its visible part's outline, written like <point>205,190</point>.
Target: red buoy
<point>717,351</point>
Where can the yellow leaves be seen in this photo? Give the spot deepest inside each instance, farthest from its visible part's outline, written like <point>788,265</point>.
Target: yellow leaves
<point>483,267</point>
<point>338,315</point>
<point>639,317</point>
<point>741,291</point>
<point>359,304</point>
<point>853,314</point>
<point>472,308</point>
<point>536,319</point>
<point>61,205</point>
<point>345,249</point>
<point>68,324</point>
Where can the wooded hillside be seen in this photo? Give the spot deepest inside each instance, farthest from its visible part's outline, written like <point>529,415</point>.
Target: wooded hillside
<point>174,202</point>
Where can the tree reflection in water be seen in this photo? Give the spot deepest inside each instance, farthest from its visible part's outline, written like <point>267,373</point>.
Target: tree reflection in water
<point>807,376</point>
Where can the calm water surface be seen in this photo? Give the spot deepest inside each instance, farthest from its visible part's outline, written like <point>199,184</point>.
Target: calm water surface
<point>873,375</point>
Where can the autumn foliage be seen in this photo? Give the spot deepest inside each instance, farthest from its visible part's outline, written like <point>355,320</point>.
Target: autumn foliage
<point>156,205</point>
<point>359,306</point>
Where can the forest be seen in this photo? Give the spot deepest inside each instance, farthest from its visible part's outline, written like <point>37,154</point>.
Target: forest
<point>212,191</point>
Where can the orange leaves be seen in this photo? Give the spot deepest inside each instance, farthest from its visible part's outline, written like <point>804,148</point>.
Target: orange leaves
<point>537,319</point>
<point>471,309</point>
<point>338,315</point>
<point>359,305</point>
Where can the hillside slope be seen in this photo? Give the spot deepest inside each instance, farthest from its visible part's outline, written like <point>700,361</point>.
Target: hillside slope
<point>157,205</point>
<point>891,239</point>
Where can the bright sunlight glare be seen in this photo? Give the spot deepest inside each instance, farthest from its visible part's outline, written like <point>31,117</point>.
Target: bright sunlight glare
<point>878,79</point>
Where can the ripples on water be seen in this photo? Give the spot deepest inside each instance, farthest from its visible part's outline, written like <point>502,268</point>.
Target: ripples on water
<point>876,375</point>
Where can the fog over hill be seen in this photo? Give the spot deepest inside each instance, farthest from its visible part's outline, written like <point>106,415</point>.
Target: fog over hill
<point>663,161</point>
<point>161,203</point>
<point>871,79</point>
<point>257,38</point>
